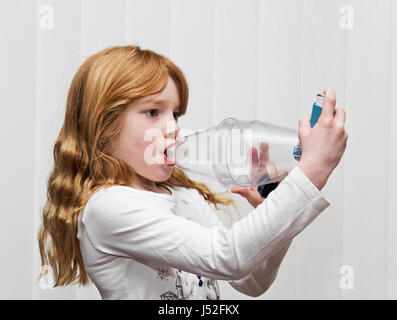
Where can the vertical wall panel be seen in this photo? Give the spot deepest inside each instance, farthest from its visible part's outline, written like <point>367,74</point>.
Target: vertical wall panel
<point>322,66</point>
<point>391,275</point>
<point>366,163</point>
<point>18,70</point>
<point>147,24</point>
<point>279,56</point>
<point>235,60</point>
<point>58,58</point>
<point>103,25</point>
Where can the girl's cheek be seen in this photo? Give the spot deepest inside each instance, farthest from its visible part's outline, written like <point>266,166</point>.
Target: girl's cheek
<point>138,144</point>
<point>142,135</point>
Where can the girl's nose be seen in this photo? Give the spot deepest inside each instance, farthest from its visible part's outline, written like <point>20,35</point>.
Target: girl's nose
<point>172,129</point>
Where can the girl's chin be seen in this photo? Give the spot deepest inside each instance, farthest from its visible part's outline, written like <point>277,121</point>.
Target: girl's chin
<point>162,175</point>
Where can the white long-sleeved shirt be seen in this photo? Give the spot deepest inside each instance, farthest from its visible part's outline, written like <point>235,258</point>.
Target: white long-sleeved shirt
<point>140,244</point>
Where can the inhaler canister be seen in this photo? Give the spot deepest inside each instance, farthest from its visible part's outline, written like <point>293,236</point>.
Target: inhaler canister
<point>316,112</point>
<point>317,108</point>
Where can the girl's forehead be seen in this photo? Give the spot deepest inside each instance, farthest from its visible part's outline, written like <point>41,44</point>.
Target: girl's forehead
<point>168,95</point>
<point>156,100</point>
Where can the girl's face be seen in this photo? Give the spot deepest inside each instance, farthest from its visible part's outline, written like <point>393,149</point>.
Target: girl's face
<point>149,125</point>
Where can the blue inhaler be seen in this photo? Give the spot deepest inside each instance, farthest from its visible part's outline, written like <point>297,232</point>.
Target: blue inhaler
<point>316,112</point>
<point>265,189</point>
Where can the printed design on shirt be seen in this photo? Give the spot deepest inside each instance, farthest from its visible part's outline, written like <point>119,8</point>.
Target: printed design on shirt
<point>213,289</point>
<point>189,287</point>
<point>179,286</point>
<point>168,296</point>
<point>162,273</point>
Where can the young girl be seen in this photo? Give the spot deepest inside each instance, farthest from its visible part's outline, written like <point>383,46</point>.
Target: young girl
<point>120,214</point>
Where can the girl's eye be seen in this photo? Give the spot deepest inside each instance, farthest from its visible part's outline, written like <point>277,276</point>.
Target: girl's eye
<point>154,112</point>
<point>151,112</point>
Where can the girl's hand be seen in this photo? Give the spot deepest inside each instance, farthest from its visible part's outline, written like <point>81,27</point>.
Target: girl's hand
<point>250,193</point>
<point>324,144</point>
<point>261,167</point>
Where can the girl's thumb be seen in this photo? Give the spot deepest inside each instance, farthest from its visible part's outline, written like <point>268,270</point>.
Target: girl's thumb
<point>239,190</point>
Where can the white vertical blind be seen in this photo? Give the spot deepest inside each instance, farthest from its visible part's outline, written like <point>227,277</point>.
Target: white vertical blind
<point>258,59</point>
<point>366,163</point>
<point>391,276</point>
<point>17,167</point>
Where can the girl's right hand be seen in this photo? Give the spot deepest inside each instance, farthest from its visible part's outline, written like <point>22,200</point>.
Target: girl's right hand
<point>324,144</point>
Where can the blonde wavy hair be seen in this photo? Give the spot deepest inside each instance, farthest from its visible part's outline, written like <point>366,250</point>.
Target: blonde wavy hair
<point>99,93</point>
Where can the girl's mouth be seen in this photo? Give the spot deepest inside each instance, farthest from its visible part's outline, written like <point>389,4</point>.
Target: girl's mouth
<point>169,162</point>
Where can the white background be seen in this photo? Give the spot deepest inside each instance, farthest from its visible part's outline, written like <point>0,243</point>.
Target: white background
<point>251,59</point>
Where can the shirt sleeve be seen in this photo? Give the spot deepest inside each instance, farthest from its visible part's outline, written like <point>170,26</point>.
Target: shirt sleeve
<point>257,282</point>
<point>119,223</point>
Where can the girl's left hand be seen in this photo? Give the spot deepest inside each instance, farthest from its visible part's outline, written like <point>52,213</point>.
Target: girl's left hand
<point>250,193</point>
<point>261,165</point>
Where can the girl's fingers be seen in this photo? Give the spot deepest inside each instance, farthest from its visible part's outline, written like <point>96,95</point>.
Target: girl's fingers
<point>264,169</point>
<point>254,156</point>
<point>329,104</point>
<point>239,189</point>
<point>254,161</point>
<point>264,154</point>
<point>250,193</point>
<point>271,170</point>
